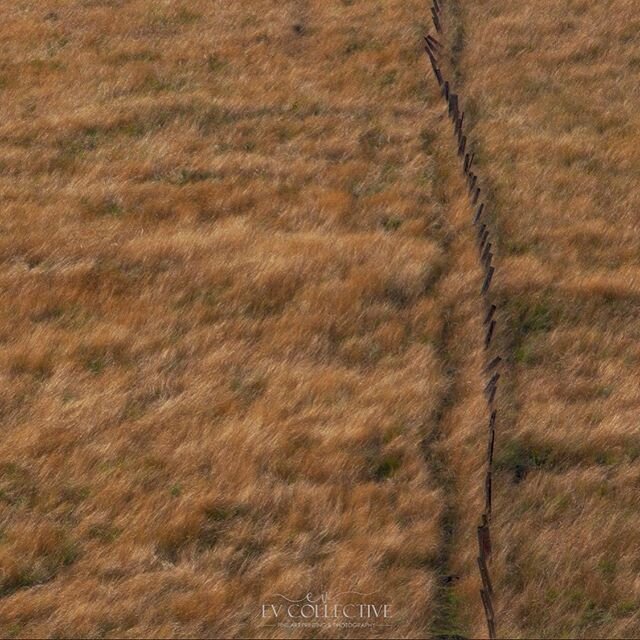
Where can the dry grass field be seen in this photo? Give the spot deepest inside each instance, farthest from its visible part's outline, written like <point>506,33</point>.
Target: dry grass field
<point>239,335</point>
<point>241,329</point>
<point>552,91</point>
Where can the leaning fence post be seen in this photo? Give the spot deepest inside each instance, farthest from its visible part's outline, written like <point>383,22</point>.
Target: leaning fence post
<point>484,574</point>
<point>484,539</point>
<point>434,43</point>
<point>492,383</point>
<point>462,145</point>
<point>436,20</point>
<point>488,610</point>
<point>483,240</point>
<point>487,340</point>
<point>487,280</point>
<point>485,252</point>
<point>487,260</point>
<point>492,438</point>
<point>487,492</point>
<point>434,66</point>
<point>489,316</point>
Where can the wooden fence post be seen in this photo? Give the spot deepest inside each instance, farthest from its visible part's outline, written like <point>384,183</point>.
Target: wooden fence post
<point>462,145</point>
<point>436,20</point>
<point>484,538</point>
<point>489,316</point>
<point>490,447</point>
<point>487,340</point>
<point>484,574</point>
<point>487,280</point>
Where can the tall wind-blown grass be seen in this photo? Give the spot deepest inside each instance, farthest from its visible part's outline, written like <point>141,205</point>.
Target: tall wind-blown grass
<point>223,232</point>
<point>552,90</point>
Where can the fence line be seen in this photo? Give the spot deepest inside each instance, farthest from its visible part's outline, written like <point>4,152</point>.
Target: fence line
<point>433,48</point>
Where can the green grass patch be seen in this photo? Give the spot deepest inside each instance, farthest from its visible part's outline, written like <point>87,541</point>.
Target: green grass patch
<point>427,138</point>
<point>17,486</point>
<point>388,78</point>
<point>372,140</point>
<point>530,321</point>
<point>391,223</point>
<point>387,467</point>
<point>535,318</point>
<point>449,623</point>
<point>50,313</point>
<point>216,63</point>
<point>519,458</point>
<point>185,16</point>
<point>105,533</point>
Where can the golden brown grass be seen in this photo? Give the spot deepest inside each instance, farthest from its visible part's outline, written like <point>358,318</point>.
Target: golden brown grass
<point>239,320</point>
<point>550,88</point>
